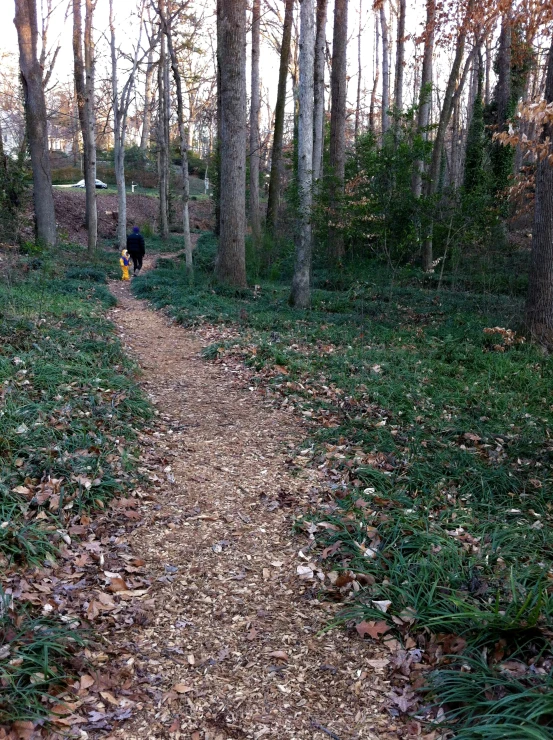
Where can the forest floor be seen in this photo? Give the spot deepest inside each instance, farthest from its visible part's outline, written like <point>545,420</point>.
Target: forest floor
<point>233,645</point>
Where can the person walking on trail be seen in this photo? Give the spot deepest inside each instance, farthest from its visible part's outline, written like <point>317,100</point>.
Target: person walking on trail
<point>125,262</point>
<point>136,248</point>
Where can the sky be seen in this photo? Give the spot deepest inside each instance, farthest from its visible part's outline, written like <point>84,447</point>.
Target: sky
<point>60,29</point>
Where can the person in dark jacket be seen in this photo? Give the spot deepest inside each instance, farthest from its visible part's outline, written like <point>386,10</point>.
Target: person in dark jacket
<point>136,248</point>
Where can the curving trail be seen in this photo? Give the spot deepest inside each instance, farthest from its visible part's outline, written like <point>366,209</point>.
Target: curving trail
<point>231,648</point>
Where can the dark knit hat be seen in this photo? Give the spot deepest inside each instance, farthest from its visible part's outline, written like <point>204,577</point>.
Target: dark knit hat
<point>135,230</point>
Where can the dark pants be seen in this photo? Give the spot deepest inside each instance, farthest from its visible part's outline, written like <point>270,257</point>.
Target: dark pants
<point>136,261</point>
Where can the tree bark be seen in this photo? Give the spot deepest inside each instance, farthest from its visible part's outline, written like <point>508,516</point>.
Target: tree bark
<point>425,99</point>
<point>385,68</point>
<point>231,255</point>
<point>358,100</point>
<point>319,90</point>
<point>35,116</point>
<point>273,203</point>
<point>372,121</point>
<point>338,92</point>
<point>255,141</point>
<point>487,89</point>
<point>167,27</point>
<point>120,108</point>
<point>539,304</point>
<point>445,116</point>
<point>301,284</point>
<point>147,115</point>
<point>163,143</point>
<point>400,56</point>
<point>84,87</point>
<point>503,88</point>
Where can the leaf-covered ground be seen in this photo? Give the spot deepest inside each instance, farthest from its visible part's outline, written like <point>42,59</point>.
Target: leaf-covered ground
<point>70,415</point>
<point>429,453</point>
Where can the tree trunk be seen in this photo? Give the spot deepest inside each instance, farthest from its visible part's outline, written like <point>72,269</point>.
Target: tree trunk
<point>400,57</point>
<point>147,115</point>
<point>503,88</point>
<point>445,116</point>
<point>84,87</point>
<point>372,122</point>
<point>120,109</point>
<point>487,93</point>
<point>358,100</point>
<point>273,203</point>
<point>319,90</point>
<point>301,283</point>
<point>231,255</point>
<point>539,304</point>
<point>35,116</point>
<point>167,27</point>
<point>255,142</point>
<point>385,68</point>
<point>338,91</point>
<point>425,99</point>
<point>163,144</point>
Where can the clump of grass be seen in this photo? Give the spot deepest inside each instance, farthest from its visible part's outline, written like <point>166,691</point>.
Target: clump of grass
<point>35,660</point>
<point>435,435</point>
<point>69,405</point>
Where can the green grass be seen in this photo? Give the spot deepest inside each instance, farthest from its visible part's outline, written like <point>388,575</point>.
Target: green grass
<point>69,408</point>
<point>435,437</point>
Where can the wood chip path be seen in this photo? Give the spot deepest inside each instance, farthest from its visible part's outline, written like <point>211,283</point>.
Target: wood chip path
<point>232,647</point>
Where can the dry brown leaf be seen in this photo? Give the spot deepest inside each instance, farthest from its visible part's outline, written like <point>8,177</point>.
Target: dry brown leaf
<point>279,655</point>
<point>117,584</point>
<point>373,629</point>
<point>181,688</point>
<point>85,682</point>
<point>23,729</point>
<point>108,696</point>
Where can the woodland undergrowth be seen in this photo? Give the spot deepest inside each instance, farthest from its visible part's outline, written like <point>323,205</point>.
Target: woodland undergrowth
<point>69,414</point>
<point>430,441</point>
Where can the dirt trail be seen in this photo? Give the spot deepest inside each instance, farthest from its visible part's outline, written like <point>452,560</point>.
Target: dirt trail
<point>231,650</point>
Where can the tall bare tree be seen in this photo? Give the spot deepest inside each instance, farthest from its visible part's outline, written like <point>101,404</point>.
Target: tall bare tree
<point>338,92</point>
<point>273,203</point>
<point>147,114</point>
<point>372,108</point>
<point>84,87</point>
<point>167,23</point>
<point>385,67</point>
<point>359,72</point>
<point>35,116</point>
<point>163,115</point>
<point>400,56</point>
<point>425,98</point>
<point>255,140</point>
<point>120,109</point>
<point>539,304</point>
<point>301,283</point>
<point>230,265</point>
<point>319,90</point>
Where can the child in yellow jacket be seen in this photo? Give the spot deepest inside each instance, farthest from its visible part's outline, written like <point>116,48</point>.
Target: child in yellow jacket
<point>125,263</point>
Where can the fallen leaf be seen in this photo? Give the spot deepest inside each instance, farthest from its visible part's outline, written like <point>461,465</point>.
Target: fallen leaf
<point>378,664</point>
<point>279,655</point>
<point>23,729</point>
<point>373,629</point>
<point>304,571</point>
<point>117,584</point>
<point>182,688</point>
<point>85,682</point>
<point>109,697</point>
<point>382,606</point>
<point>328,551</point>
